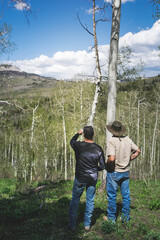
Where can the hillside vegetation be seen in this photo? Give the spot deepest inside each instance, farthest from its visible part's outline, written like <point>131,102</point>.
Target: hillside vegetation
<point>40,211</point>
<point>38,121</point>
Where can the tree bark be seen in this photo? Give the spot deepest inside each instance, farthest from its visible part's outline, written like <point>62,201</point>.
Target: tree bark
<point>99,75</point>
<point>112,68</point>
<point>153,149</point>
<point>33,121</point>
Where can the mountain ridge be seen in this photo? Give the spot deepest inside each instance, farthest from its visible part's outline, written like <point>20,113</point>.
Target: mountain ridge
<point>13,79</point>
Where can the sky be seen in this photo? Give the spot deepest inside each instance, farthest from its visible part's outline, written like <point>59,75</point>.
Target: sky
<point>51,42</point>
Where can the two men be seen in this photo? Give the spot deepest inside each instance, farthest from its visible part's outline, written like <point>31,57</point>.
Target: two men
<point>90,159</point>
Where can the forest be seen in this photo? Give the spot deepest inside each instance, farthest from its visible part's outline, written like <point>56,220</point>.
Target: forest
<point>38,164</point>
<point>40,115</point>
<point>37,125</point>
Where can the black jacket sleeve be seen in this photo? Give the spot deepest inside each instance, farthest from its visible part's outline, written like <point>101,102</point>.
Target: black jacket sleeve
<point>101,162</point>
<point>73,141</point>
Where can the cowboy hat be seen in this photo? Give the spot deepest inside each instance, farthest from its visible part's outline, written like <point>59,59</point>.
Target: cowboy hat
<point>116,128</point>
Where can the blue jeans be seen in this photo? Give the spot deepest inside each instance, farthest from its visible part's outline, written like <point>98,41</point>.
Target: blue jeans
<point>77,191</point>
<point>114,180</point>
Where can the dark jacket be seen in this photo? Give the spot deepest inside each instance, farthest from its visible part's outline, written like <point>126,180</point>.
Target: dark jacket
<point>89,160</point>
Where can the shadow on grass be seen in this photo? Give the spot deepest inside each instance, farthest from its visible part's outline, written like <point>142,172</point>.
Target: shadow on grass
<point>27,219</point>
<point>119,209</point>
<point>96,214</point>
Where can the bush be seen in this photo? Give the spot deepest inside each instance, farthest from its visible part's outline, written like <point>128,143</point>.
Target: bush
<point>142,228</point>
<point>154,204</point>
<point>109,226</point>
<point>153,236</point>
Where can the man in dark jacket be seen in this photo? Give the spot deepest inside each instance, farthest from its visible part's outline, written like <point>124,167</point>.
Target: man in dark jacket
<point>89,160</point>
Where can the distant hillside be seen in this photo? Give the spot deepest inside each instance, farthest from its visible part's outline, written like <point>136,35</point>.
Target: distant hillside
<point>8,67</point>
<point>13,79</point>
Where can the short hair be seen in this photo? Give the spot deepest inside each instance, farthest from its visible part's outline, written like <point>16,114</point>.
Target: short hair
<point>88,132</point>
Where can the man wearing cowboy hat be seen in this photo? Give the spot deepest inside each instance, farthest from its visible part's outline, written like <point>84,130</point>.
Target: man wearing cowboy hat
<point>120,152</point>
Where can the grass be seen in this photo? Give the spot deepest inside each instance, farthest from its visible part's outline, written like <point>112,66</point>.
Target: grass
<point>44,215</point>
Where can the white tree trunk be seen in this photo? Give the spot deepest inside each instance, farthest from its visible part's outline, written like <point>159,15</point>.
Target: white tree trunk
<point>81,105</point>
<point>152,161</point>
<point>62,154</point>
<point>45,153</point>
<point>65,148</point>
<point>12,161</point>
<point>138,123</point>
<point>112,68</point>
<point>56,155</point>
<point>144,137</point>
<point>99,76</point>
<point>33,121</point>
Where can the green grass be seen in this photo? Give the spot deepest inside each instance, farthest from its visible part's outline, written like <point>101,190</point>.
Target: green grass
<point>44,215</point>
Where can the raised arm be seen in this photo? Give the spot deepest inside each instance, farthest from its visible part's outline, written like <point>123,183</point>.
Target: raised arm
<point>74,139</point>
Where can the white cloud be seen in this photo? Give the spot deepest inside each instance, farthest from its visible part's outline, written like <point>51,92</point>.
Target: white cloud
<point>69,63</point>
<point>90,11</point>
<point>145,43</point>
<point>22,6</point>
<point>123,1</point>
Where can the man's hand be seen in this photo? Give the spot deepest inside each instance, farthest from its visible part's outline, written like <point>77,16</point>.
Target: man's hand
<point>135,154</point>
<point>111,158</point>
<point>80,132</point>
<point>110,164</point>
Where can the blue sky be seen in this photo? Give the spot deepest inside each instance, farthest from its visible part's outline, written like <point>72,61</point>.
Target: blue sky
<point>54,44</point>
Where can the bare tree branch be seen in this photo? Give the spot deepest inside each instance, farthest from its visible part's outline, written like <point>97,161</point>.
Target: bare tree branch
<point>11,104</point>
<point>85,28</point>
<point>22,5</point>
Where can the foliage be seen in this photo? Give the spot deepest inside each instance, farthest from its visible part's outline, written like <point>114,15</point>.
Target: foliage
<point>32,142</point>
<point>43,214</point>
<point>153,236</point>
<point>142,228</point>
<point>154,204</point>
<point>5,44</point>
<point>109,226</point>
<point>156,4</point>
<point>126,72</point>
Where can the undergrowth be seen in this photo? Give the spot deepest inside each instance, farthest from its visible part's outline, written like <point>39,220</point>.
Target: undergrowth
<point>27,214</point>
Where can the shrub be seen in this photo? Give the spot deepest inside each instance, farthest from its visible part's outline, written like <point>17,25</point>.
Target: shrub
<point>154,204</point>
<point>153,236</point>
<point>109,226</point>
<point>142,228</point>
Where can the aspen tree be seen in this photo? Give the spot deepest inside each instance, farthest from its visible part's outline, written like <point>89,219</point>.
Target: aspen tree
<point>99,75</point>
<point>152,159</point>
<point>98,67</point>
<point>112,67</point>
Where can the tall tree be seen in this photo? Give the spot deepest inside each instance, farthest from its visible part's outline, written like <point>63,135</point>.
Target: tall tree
<point>6,45</point>
<point>96,9</point>
<point>125,70</point>
<point>113,60</point>
<point>156,5</point>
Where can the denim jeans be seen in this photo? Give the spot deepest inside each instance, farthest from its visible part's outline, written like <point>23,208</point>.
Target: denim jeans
<point>114,180</point>
<point>77,191</point>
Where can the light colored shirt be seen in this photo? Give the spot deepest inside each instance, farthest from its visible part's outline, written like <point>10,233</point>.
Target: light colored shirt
<point>122,149</point>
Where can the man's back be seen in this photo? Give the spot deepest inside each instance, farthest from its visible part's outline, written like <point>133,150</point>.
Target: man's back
<point>121,148</point>
<point>89,159</point>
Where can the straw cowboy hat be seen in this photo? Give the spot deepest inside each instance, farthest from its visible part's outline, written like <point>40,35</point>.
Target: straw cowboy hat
<point>116,128</point>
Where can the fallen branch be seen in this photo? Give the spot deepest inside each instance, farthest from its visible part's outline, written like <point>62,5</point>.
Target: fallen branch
<point>11,104</point>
